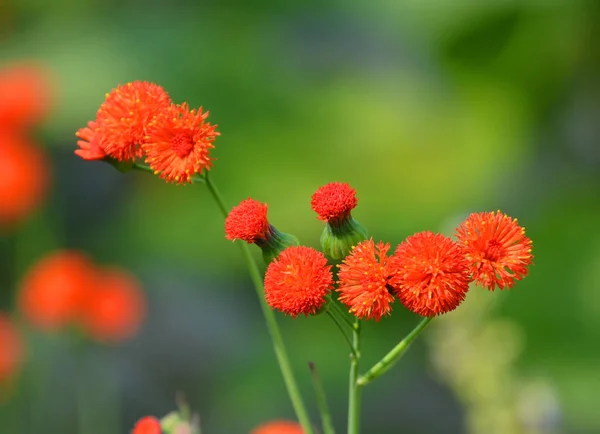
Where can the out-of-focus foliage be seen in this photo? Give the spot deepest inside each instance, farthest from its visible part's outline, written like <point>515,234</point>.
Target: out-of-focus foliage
<point>429,109</point>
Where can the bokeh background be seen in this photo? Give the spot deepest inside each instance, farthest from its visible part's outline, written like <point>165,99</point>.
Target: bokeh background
<point>429,109</point>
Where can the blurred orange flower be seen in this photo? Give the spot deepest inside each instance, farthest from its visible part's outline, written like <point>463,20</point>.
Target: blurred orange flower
<point>55,289</point>
<point>11,348</point>
<point>25,174</point>
<point>25,90</point>
<point>115,310</point>
<point>279,427</point>
<point>147,425</point>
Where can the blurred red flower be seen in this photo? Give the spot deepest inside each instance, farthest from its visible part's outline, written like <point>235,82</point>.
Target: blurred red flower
<point>11,348</point>
<point>115,310</point>
<point>25,91</point>
<point>278,427</point>
<point>24,171</point>
<point>55,289</point>
<point>147,425</point>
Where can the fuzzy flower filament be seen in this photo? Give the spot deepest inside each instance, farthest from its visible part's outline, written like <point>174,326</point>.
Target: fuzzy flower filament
<point>431,275</point>
<point>333,204</point>
<point>178,143</point>
<point>363,278</point>
<point>297,281</point>
<point>496,248</point>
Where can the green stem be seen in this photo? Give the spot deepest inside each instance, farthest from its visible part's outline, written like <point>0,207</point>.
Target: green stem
<point>280,351</point>
<point>321,401</point>
<point>342,314</point>
<point>339,324</point>
<point>196,179</point>
<point>353,387</point>
<point>394,355</point>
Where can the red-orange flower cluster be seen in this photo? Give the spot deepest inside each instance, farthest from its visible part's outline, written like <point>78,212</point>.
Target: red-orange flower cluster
<point>140,119</point>
<point>497,249</point>
<point>147,425</point>
<point>431,274</point>
<point>363,279</point>
<point>11,348</point>
<point>334,201</point>
<point>297,281</point>
<point>247,221</point>
<point>66,287</point>
<point>24,101</point>
<point>279,427</point>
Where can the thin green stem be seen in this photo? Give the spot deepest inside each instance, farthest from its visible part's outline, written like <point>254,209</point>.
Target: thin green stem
<point>353,388</point>
<point>196,179</point>
<point>321,401</point>
<point>342,314</point>
<point>280,351</point>
<point>394,355</point>
<point>341,328</point>
<point>142,167</point>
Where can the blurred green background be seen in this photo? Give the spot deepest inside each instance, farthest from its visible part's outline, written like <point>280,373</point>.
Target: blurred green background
<point>429,109</point>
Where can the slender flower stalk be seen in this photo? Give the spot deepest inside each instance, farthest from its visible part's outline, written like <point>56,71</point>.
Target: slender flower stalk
<point>280,351</point>
<point>341,328</point>
<point>393,356</point>
<point>353,387</point>
<point>326,421</point>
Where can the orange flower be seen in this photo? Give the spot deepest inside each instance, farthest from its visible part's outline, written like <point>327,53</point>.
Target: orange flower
<point>363,280</point>
<point>25,94</point>
<point>11,348</point>
<point>116,309</point>
<point>24,178</point>
<point>247,221</point>
<point>431,274</point>
<point>297,281</point>
<point>278,427</point>
<point>179,142</point>
<point>147,425</point>
<point>89,145</point>
<point>496,247</point>
<point>55,289</point>
<point>122,119</point>
<point>334,201</point>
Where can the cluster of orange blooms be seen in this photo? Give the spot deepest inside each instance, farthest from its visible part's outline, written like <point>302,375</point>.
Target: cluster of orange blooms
<point>140,120</point>
<point>429,273</point>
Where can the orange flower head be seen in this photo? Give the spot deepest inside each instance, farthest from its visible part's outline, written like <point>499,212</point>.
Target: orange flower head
<point>124,116</point>
<point>496,247</point>
<point>247,221</point>
<point>297,281</point>
<point>278,427</point>
<point>334,201</point>
<point>431,274</point>
<point>363,280</point>
<point>116,309</point>
<point>89,145</point>
<point>25,91</point>
<point>24,173</point>
<point>55,289</point>
<point>178,143</point>
<point>11,348</point>
<point>147,425</point>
